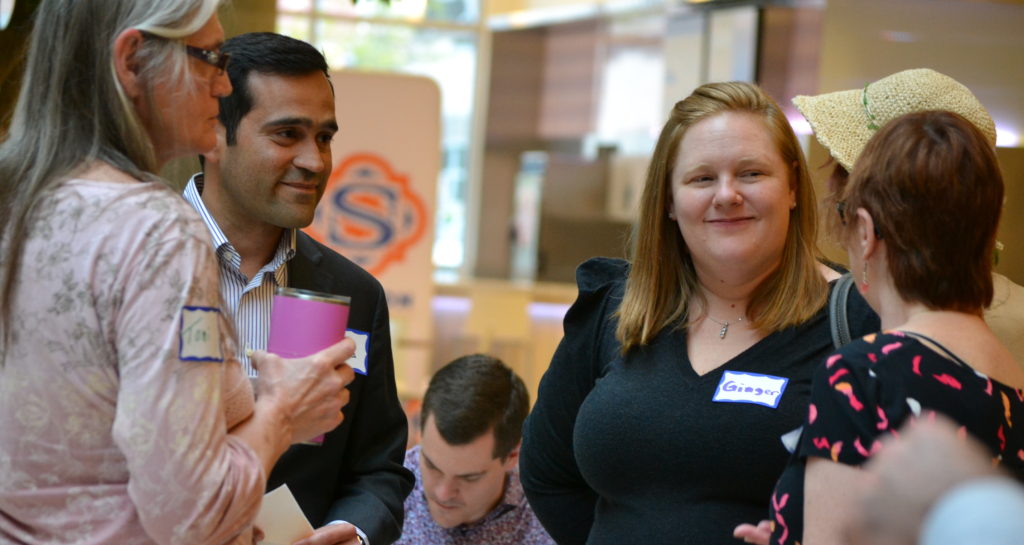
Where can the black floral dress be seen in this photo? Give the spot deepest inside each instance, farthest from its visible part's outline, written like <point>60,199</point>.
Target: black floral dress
<point>871,387</point>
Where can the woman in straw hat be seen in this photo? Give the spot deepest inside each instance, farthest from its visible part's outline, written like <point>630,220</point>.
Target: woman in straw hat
<point>118,385</point>
<point>659,418</point>
<point>844,121</point>
<point>918,218</point>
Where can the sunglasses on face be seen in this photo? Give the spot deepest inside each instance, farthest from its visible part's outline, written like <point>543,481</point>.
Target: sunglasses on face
<point>213,57</point>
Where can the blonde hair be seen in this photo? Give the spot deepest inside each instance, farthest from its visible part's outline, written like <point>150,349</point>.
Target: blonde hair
<point>662,280</point>
<point>72,109</point>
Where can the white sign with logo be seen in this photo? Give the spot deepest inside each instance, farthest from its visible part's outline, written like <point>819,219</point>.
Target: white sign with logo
<point>378,206</point>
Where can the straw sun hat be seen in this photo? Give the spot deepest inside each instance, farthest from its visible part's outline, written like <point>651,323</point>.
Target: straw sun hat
<point>844,121</point>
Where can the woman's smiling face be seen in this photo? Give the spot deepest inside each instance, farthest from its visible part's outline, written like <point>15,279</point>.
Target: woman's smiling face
<point>732,192</point>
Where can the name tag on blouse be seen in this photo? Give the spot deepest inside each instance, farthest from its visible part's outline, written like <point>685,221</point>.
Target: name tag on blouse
<point>199,334</point>
<point>753,388</point>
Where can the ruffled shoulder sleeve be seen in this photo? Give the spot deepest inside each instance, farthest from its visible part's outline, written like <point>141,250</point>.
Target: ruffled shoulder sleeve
<point>601,282</point>
<point>553,484</point>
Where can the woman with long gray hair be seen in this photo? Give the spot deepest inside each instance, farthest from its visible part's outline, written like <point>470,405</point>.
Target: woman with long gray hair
<point>124,416</point>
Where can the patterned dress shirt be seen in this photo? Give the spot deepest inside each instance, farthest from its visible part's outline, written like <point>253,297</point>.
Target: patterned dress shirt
<point>511,522</point>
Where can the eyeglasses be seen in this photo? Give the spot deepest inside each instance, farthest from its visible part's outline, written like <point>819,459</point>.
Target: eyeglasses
<point>214,57</point>
<point>841,210</point>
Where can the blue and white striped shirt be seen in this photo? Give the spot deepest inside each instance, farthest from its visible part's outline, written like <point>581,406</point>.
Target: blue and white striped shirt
<point>248,302</point>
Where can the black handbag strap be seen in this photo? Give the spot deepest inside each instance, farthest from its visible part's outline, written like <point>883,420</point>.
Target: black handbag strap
<point>838,320</point>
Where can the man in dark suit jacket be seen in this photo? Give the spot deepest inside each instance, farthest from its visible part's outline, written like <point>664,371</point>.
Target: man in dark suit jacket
<point>259,186</point>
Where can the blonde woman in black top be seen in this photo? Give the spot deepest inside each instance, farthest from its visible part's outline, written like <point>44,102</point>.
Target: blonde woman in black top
<point>659,420</point>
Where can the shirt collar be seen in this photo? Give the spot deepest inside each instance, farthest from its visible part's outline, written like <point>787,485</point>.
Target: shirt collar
<point>513,496</point>
<point>193,194</point>
<point>221,245</point>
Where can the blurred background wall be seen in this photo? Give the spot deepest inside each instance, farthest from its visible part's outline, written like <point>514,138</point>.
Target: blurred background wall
<point>550,109</point>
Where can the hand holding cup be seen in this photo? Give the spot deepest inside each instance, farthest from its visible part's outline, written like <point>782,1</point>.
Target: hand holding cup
<point>306,325</point>
<point>311,390</point>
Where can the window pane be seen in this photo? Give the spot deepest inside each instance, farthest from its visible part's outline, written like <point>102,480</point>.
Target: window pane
<point>301,6</point>
<point>630,113</point>
<point>296,26</point>
<point>462,11</point>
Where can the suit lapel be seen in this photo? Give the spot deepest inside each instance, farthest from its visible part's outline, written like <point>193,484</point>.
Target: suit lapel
<point>303,270</point>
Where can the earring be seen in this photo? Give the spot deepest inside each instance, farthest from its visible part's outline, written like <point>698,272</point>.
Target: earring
<point>671,216</point>
<point>865,284</point>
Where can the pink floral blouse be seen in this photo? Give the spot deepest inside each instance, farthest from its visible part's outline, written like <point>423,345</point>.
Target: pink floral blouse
<point>120,382</point>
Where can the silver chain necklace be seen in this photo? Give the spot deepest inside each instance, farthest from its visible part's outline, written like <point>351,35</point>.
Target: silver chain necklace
<point>725,325</point>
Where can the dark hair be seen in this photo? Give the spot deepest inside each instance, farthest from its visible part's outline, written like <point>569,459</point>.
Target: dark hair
<point>266,53</point>
<point>931,182</point>
<point>473,395</point>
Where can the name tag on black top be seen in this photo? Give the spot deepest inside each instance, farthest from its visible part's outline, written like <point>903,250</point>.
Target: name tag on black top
<point>736,387</point>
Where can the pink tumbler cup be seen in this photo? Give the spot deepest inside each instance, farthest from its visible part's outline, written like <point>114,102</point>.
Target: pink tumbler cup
<point>303,322</point>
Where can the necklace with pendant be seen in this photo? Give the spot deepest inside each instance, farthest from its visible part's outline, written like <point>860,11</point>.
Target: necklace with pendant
<point>725,325</point>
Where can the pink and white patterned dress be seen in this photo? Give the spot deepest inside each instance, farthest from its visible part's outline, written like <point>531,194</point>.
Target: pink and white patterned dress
<point>120,382</point>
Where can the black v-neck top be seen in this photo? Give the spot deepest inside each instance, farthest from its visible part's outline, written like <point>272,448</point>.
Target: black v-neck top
<point>637,450</point>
